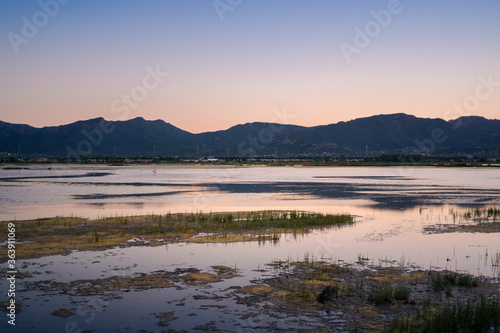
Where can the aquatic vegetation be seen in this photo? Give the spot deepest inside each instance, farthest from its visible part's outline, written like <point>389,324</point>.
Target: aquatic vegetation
<point>467,280</point>
<point>389,299</point>
<point>286,221</point>
<point>442,280</point>
<point>95,238</point>
<point>328,294</point>
<point>201,278</point>
<point>478,213</point>
<point>402,293</point>
<point>479,316</point>
<point>60,235</point>
<point>381,294</point>
<point>480,219</point>
<point>256,289</point>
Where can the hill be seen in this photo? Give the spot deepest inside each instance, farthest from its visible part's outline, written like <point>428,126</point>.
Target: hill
<point>380,134</point>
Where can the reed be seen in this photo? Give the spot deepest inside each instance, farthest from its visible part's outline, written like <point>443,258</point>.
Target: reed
<point>480,316</point>
<point>73,233</point>
<point>381,294</point>
<point>402,293</point>
<point>443,280</point>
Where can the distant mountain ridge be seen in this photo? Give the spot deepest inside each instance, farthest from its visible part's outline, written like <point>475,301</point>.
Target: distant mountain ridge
<point>375,135</point>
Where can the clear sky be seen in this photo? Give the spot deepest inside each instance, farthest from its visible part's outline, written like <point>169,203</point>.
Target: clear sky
<point>235,61</point>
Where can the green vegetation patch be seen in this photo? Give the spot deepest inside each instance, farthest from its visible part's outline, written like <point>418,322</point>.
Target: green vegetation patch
<point>473,316</point>
<point>60,235</point>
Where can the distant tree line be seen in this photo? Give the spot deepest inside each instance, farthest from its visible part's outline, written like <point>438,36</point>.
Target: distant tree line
<point>385,159</point>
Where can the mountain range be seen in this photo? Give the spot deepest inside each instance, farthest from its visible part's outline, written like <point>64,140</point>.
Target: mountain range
<point>375,135</point>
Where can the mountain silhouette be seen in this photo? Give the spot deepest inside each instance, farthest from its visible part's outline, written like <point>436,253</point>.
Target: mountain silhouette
<point>375,135</point>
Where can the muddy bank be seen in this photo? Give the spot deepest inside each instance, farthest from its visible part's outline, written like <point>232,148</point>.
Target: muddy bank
<point>297,296</point>
<point>114,286</point>
<point>370,299</point>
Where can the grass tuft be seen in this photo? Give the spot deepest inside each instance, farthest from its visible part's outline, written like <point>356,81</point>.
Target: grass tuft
<point>381,294</point>
<point>480,316</point>
<point>402,293</point>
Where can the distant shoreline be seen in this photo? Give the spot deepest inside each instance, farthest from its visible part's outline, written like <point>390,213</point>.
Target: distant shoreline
<point>20,165</point>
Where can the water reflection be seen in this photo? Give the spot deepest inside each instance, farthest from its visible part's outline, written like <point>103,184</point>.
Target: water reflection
<point>86,192</point>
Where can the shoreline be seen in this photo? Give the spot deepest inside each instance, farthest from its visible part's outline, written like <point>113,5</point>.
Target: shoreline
<point>62,166</point>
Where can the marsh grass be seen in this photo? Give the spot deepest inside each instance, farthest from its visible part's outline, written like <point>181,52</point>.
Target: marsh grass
<point>480,316</point>
<point>444,280</point>
<point>402,293</point>
<point>315,276</point>
<point>256,290</point>
<point>60,235</point>
<point>486,213</point>
<point>382,293</point>
<point>467,280</point>
<point>479,219</point>
<point>389,299</point>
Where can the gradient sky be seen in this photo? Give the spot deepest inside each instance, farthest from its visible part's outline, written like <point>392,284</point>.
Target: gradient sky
<point>264,55</point>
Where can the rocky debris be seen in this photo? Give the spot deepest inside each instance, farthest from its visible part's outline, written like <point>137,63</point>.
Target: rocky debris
<point>4,305</point>
<point>186,270</point>
<point>63,313</point>
<point>197,277</point>
<point>328,294</point>
<point>208,327</point>
<point>165,318</point>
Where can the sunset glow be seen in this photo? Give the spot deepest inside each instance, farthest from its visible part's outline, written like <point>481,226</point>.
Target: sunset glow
<point>64,61</point>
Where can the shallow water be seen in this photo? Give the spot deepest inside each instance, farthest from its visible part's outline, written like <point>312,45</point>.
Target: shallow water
<point>101,190</point>
<point>392,208</point>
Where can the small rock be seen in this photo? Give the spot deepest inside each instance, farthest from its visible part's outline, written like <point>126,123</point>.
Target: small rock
<point>328,294</point>
<point>165,318</point>
<point>63,313</point>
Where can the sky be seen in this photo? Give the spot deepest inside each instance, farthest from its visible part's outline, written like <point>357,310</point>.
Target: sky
<point>206,65</point>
